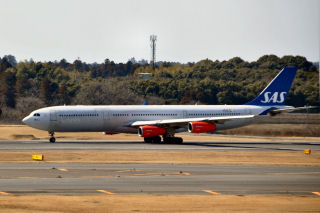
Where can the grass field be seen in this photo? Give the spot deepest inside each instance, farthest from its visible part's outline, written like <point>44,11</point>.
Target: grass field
<point>166,157</point>
<point>157,203</point>
<point>277,130</point>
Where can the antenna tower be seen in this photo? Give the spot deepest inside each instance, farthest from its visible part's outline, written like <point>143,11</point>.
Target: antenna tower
<point>153,39</point>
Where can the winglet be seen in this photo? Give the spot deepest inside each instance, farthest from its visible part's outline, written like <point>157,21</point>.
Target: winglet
<point>276,92</point>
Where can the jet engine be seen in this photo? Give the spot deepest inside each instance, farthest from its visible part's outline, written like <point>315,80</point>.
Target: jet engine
<point>150,131</point>
<point>201,127</point>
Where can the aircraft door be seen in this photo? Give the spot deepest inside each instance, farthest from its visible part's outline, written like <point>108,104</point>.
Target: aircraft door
<point>53,120</point>
<point>53,115</point>
<point>248,111</point>
<point>185,114</point>
<point>106,119</point>
<point>106,115</point>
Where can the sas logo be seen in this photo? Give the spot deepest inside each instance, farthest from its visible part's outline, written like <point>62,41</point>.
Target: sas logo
<point>275,98</point>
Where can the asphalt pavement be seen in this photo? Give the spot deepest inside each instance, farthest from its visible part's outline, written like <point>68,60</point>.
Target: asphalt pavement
<point>42,177</point>
<point>273,145</point>
<point>158,179</point>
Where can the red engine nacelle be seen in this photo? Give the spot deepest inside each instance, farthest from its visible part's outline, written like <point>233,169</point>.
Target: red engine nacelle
<point>151,131</point>
<point>201,127</point>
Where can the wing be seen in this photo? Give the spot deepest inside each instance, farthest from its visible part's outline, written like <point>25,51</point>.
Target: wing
<point>184,121</point>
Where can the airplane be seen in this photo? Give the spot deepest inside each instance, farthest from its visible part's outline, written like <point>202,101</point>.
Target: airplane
<point>153,121</point>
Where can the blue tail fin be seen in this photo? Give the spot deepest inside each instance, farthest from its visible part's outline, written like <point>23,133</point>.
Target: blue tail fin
<point>277,90</point>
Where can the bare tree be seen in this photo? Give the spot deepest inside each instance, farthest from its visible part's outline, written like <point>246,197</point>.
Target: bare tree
<point>106,92</point>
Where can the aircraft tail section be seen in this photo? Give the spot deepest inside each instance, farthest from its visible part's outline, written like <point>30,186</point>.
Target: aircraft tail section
<point>277,90</point>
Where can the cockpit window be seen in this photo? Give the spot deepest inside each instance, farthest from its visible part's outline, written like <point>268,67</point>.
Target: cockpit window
<point>36,114</point>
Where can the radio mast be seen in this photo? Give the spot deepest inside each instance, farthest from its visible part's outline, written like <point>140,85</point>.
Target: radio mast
<point>153,39</point>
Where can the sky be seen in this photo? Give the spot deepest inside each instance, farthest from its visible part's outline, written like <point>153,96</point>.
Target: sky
<point>187,30</point>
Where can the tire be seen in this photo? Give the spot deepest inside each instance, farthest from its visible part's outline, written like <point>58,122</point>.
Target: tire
<point>166,140</point>
<point>173,140</point>
<point>52,140</point>
<point>147,140</point>
<point>157,139</point>
<point>178,140</point>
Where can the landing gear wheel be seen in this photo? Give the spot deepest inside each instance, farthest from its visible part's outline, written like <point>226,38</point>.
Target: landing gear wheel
<point>52,139</point>
<point>147,140</point>
<point>156,139</point>
<point>172,140</point>
<point>178,140</point>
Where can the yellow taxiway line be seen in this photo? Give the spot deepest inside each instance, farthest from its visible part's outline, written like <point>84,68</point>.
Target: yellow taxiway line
<point>211,192</point>
<point>4,193</point>
<point>106,192</point>
<point>316,193</point>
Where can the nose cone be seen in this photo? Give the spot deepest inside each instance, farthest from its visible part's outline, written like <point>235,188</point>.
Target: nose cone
<point>25,120</point>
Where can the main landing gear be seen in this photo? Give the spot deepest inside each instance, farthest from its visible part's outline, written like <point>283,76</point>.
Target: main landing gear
<point>166,140</point>
<point>172,140</point>
<point>169,138</point>
<point>52,139</point>
<point>156,139</point>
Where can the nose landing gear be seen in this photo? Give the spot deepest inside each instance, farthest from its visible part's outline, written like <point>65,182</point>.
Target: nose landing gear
<point>52,139</point>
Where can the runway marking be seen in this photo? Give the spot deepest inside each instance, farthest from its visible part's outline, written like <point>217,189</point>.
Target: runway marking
<point>185,173</point>
<point>152,174</point>
<point>294,173</point>
<point>316,193</point>
<point>106,192</point>
<point>63,170</point>
<point>211,192</point>
<point>96,176</point>
<point>4,193</point>
<point>27,177</point>
<point>162,174</point>
<point>130,170</point>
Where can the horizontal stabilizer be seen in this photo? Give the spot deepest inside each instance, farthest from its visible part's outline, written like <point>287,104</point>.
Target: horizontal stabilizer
<point>290,109</point>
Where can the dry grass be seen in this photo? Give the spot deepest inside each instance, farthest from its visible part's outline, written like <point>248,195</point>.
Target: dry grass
<point>166,157</point>
<point>287,130</point>
<point>292,118</point>
<point>157,203</point>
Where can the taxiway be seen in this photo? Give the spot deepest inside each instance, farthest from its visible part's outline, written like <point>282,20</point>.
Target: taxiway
<point>158,179</point>
<point>273,145</point>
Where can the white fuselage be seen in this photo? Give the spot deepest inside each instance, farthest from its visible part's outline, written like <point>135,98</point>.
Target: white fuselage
<point>117,119</point>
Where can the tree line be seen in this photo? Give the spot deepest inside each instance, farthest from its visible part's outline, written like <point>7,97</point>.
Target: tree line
<point>27,85</point>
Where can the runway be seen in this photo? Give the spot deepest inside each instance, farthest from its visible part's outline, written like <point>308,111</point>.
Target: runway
<point>139,145</point>
<point>158,179</point>
<point>84,178</point>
